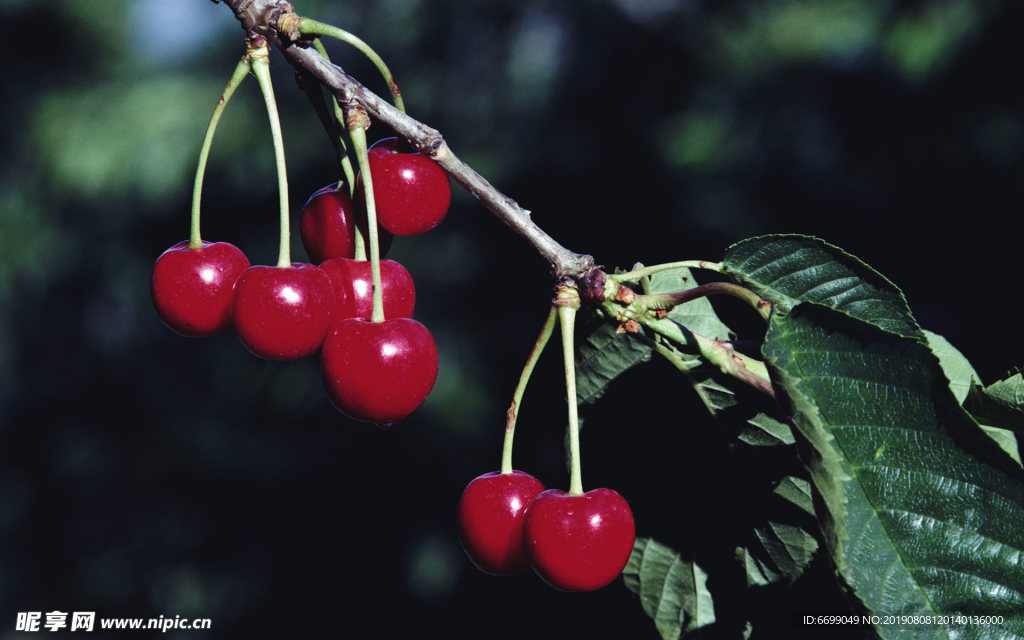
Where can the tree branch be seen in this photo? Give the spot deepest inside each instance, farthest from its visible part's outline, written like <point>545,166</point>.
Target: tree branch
<point>276,20</point>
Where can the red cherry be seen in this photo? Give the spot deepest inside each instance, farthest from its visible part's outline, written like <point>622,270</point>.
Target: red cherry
<point>411,192</point>
<point>379,372</point>
<point>353,288</point>
<point>283,313</point>
<point>578,542</point>
<point>328,225</point>
<point>193,289</point>
<point>491,514</point>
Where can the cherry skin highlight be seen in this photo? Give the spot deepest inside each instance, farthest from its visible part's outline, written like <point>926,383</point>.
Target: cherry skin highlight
<point>491,512</point>
<point>353,289</point>
<point>578,542</point>
<point>193,289</point>
<point>283,313</point>
<point>379,372</point>
<point>411,192</point>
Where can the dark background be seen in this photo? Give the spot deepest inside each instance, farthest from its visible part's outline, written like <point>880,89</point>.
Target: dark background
<point>145,474</point>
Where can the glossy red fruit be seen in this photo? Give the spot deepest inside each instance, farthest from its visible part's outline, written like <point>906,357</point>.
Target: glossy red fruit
<point>578,543</point>
<point>193,289</point>
<point>379,372</point>
<point>411,192</point>
<point>491,512</point>
<point>283,313</point>
<point>353,289</point>
<point>328,225</point>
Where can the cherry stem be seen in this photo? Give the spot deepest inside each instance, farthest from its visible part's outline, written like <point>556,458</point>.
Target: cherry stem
<point>670,300</point>
<point>260,56</point>
<point>343,158</point>
<point>195,240</point>
<point>309,26</point>
<point>568,301</point>
<point>339,116</point>
<point>636,274</point>
<point>357,122</point>
<point>517,397</point>
<point>311,87</point>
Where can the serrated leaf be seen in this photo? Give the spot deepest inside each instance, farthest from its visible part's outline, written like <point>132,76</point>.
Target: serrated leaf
<point>789,547</point>
<point>602,356</point>
<point>765,431</point>
<point>673,591</point>
<point>780,548</point>
<point>1007,441</point>
<point>1010,391</point>
<point>1000,404</point>
<point>796,491</point>
<point>915,523</point>
<point>744,417</point>
<point>759,573</point>
<point>958,369</point>
<point>962,379</point>
<point>788,269</point>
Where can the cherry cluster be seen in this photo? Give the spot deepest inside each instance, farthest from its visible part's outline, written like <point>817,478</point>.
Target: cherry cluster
<point>508,523</point>
<point>377,372</point>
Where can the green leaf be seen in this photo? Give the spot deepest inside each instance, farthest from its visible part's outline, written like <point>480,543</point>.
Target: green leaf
<point>673,591</point>
<point>787,269</point>
<point>1007,440</point>
<point>957,368</point>
<point>765,431</point>
<point>782,548</point>
<point>1000,404</point>
<point>919,516</point>
<point>602,356</point>
<point>743,412</point>
<point>962,379</point>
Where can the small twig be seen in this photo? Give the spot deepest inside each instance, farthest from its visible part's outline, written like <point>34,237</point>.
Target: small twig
<point>670,300</point>
<point>276,20</point>
<point>642,272</point>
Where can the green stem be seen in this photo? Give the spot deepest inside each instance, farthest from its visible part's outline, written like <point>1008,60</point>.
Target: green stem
<point>720,354</point>
<point>517,397</point>
<point>261,66</point>
<point>646,271</point>
<point>568,302</point>
<point>676,360</point>
<point>195,240</point>
<point>312,27</point>
<point>670,300</point>
<point>360,246</point>
<point>311,88</point>
<point>357,121</point>
<point>343,160</point>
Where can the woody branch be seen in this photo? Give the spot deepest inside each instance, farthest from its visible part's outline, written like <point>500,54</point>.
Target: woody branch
<point>277,22</point>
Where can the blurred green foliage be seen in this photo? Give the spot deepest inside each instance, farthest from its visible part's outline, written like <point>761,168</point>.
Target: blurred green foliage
<point>145,474</point>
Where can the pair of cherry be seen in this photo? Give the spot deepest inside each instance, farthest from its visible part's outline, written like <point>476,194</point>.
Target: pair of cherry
<point>508,523</point>
<point>377,372</point>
